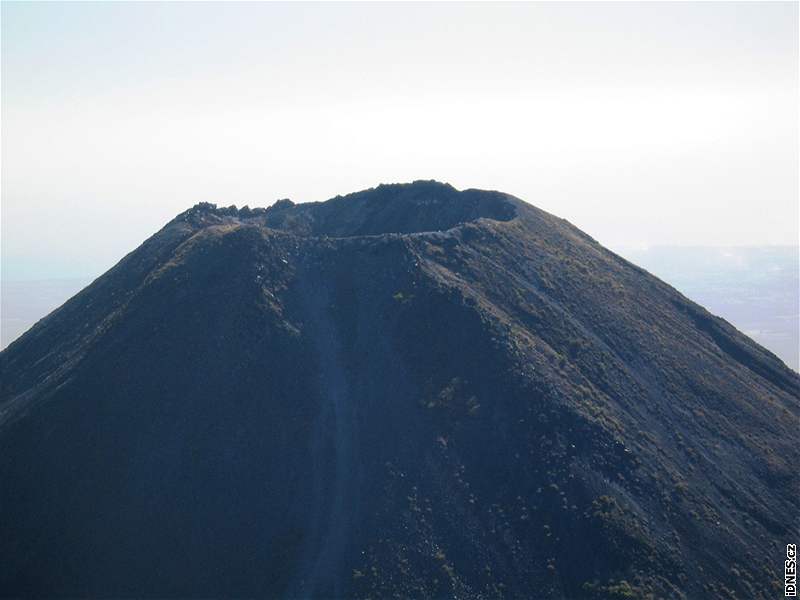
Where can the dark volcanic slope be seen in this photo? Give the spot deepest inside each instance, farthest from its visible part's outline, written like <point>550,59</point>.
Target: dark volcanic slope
<point>409,391</point>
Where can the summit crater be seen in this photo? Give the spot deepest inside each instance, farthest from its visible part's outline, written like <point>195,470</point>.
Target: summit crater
<point>418,207</point>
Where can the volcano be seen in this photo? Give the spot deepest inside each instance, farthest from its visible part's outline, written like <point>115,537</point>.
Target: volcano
<point>410,391</point>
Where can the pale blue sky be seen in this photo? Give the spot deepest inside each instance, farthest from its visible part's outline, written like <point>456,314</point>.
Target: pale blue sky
<point>642,123</point>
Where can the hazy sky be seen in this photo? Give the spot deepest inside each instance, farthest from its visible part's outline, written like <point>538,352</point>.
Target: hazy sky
<point>642,123</point>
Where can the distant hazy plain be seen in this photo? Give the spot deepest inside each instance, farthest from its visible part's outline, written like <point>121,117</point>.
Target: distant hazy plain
<point>22,303</point>
<point>756,289</point>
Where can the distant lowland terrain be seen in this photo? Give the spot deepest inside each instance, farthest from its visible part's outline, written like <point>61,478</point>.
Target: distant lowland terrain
<point>22,303</point>
<point>756,289</point>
